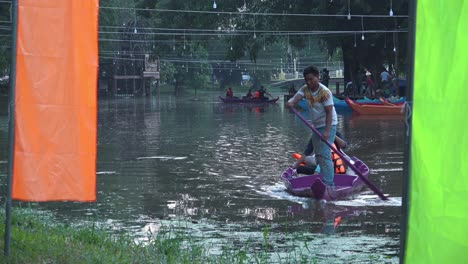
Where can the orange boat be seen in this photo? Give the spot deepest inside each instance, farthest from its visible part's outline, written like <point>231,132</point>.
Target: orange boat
<point>374,109</point>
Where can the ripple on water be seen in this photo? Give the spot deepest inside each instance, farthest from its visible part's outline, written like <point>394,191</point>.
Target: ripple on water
<point>362,199</point>
<point>327,247</point>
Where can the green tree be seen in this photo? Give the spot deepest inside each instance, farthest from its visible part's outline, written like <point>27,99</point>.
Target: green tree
<point>247,31</point>
<point>5,39</point>
<point>168,72</point>
<point>372,53</point>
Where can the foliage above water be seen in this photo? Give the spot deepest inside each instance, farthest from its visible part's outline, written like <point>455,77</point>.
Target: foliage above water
<point>240,37</point>
<point>363,35</point>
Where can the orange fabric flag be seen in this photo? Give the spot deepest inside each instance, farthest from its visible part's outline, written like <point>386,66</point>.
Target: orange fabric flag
<point>56,101</point>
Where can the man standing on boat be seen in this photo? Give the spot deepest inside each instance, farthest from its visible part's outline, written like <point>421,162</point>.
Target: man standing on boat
<point>385,82</point>
<point>323,115</point>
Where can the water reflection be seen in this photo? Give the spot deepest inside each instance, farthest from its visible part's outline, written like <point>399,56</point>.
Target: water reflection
<point>217,166</point>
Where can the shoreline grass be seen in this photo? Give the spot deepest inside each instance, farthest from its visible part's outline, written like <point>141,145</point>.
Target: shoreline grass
<point>36,237</point>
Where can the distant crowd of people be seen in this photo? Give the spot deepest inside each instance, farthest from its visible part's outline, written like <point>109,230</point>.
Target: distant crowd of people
<point>365,85</point>
<point>372,87</point>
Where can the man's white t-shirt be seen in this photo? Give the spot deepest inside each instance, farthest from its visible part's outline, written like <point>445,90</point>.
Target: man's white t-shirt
<point>317,110</point>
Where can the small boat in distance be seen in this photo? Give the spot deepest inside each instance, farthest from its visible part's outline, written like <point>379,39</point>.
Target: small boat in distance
<point>385,108</point>
<point>342,106</point>
<point>312,186</point>
<point>237,100</point>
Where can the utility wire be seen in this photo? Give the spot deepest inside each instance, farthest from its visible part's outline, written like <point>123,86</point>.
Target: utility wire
<point>246,13</point>
<point>264,32</point>
<point>187,30</point>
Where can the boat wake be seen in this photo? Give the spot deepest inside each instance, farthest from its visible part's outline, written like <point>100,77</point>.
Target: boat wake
<point>369,199</point>
<point>279,191</point>
<point>362,199</point>
<point>106,172</point>
<point>162,158</point>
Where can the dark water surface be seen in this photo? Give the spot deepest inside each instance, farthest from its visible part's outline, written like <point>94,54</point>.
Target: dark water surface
<point>216,167</point>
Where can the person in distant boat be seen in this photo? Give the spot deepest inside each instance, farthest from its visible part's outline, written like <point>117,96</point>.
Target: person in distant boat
<point>309,162</point>
<point>262,92</point>
<point>256,95</point>
<point>229,93</point>
<point>248,95</point>
<point>323,115</point>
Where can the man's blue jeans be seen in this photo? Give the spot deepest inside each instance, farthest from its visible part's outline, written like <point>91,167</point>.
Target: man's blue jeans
<point>323,155</point>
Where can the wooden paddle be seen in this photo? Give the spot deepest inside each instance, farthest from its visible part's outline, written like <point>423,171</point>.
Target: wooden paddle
<point>347,161</point>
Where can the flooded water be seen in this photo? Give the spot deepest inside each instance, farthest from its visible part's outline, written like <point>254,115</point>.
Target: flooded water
<point>216,167</point>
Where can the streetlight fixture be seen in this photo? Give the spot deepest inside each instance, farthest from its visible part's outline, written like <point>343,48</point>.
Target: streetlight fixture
<point>362,27</point>
<point>391,9</point>
<point>349,11</point>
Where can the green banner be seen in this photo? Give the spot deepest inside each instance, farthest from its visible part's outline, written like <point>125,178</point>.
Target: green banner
<point>437,230</point>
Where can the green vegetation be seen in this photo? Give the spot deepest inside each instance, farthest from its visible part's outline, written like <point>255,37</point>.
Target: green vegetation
<point>37,238</point>
<point>5,40</point>
<point>216,49</point>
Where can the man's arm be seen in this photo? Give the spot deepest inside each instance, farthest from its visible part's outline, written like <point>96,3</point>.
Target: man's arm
<point>293,101</point>
<point>340,143</point>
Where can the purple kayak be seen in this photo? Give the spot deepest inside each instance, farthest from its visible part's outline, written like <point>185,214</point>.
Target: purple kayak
<point>312,186</point>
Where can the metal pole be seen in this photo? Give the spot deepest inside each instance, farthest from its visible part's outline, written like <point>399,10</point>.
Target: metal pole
<point>11,123</point>
<point>395,81</point>
<point>411,43</point>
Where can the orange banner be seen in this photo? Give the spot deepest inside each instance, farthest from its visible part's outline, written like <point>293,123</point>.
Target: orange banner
<point>56,101</point>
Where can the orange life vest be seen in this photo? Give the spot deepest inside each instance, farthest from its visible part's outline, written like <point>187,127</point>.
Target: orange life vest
<point>298,156</point>
<point>256,94</point>
<point>337,162</point>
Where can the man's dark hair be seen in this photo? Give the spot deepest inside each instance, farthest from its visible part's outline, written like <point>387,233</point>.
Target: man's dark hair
<point>311,69</point>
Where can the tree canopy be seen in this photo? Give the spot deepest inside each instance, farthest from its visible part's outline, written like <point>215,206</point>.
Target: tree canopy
<point>260,37</point>
<point>5,39</point>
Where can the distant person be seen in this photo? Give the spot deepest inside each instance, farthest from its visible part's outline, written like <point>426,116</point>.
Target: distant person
<point>325,77</point>
<point>229,93</point>
<point>310,164</point>
<point>349,88</point>
<point>262,92</point>
<point>292,90</point>
<point>256,95</point>
<point>385,82</point>
<point>324,119</point>
<point>361,81</point>
<point>370,87</point>
<point>248,95</point>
